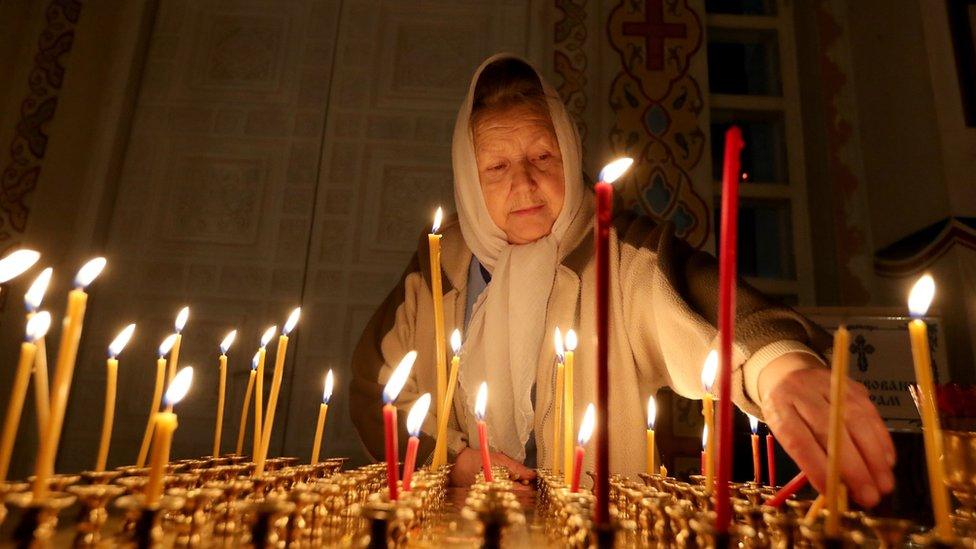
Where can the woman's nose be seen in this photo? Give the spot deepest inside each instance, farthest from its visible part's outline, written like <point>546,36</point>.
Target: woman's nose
<point>523,174</point>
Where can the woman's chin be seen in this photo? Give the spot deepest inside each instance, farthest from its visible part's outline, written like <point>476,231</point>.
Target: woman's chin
<point>527,231</point>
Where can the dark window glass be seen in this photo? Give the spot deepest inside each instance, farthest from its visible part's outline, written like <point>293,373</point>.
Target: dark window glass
<point>743,62</point>
<point>741,7</point>
<point>765,238</point>
<point>764,156</point>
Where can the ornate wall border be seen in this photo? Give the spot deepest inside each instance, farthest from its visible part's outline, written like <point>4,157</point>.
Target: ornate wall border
<point>569,59</point>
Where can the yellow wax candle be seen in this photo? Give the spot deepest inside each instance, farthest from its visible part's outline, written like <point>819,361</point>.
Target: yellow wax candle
<point>838,380</point>
<point>32,300</point>
<point>557,398</point>
<point>157,398</point>
<point>166,423</point>
<point>434,243</point>
<point>64,371</point>
<point>918,304</point>
<point>651,420</point>
<point>279,368</point>
<point>569,435</point>
<point>320,424</point>
<point>708,410</point>
<point>174,355</point>
<point>111,377</point>
<point>259,392</point>
<point>440,445</point>
<point>221,389</point>
<point>814,510</point>
<point>36,328</point>
<point>246,406</point>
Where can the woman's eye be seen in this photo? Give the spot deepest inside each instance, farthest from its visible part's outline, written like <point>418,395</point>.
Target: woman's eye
<point>545,156</point>
<point>496,167</point>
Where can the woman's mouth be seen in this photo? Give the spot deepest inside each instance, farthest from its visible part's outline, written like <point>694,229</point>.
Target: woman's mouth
<point>529,211</point>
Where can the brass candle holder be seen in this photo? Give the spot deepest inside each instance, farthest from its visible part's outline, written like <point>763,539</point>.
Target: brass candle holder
<point>94,498</point>
<point>40,518</point>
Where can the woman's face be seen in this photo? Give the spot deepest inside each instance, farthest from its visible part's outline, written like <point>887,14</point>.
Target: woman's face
<point>521,170</point>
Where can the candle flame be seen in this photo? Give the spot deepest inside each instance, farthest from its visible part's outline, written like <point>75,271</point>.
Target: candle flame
<point>228,341</point>
<point>181,318</point>
<point>557,340</point>
<point>399,377</point>
<point>705,437</point>
<point>167,345</point>
<point>15,263</point>
<point>456,341</point>
<point>268,334</point>
<point>612,171</point>
<point>292,321</point>
<point>255,359</point>
<point>329,382</point>
<point>86,275</point>
<point>651,412</point>
<point>921,296</point>
<point>415,418</point>
<point>481,401</point>
<point>753,423</point>
<point>35,294</point>
<point>571,340</point>
<point>37,326</point>
<point>121,341</point>
<point>179,386</point>
<point>709,370</point>
<point>586,427</point>
<point>438,217</point>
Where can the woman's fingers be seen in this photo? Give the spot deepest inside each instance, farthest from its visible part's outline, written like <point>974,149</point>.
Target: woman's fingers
<point>795,436</point>
<point>862,408</point>
<point>517,469</point>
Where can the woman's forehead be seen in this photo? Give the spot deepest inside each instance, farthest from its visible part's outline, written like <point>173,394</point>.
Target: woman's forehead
<point>517,124</point>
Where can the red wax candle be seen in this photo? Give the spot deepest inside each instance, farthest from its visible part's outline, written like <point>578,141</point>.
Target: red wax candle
<point>726,322</point>
<point>410,461</point>
<point>585,431</point>
<point>703,471</point>
<point>771,458</point>
<point>392,453</point>
<point>604,218</point>
<point>485,455</point>
<point>415,420</point>
<point>756,461</point>
<point>792,487</point>
<point>577,469</point>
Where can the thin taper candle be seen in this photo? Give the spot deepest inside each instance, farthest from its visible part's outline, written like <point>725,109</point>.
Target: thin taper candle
<point>111,380</point>
<point>709,371</point>
<point>415,420</point>
<point>36,328</point>
<point>480,409</point>
<point>166,423</point>
<point>586,429</point>
<point>437,296</point>
<point>259,392</point>
<point>771,458</point>
<point>32,301</point>
<point>650,447</point>
<point>569,406</point>
<point>174,355</point>
<point>390,393</point>
<point>441,459</point>
<point>557,398</point>
<point>246,405</point>
<point>323,411</point>
<point>756,459</point>
<point>157,398</point>
<point>221,389</point>
<point>838,379</point>
<point>269,417</point>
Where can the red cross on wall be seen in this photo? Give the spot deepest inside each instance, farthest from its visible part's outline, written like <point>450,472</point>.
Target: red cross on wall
<point>655,31</point>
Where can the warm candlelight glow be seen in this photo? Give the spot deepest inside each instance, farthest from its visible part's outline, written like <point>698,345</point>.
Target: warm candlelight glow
<point>456,341</point>
<point>166,345</point>
<point>89,271</point>
<point>415,418</point>
<point>651,411</point>
<point>921,296</point>
<point>292,321</point>
<point>181,318</point>
<point>557,341</point>
<point>227,342</point>
<point>571,340</point>
<point>438,217</point>
<point>121,341</point>
<point>255,359</point>
<point>268,334</point>
<point>38,325</point>
<point>586,426</point>
<point>35,294</point>
<point>612,171</point>
<point>753,423</point>
<point>709,370</point>
<point>329,382</point>
<point>15,263</point>
<point>399,377</point>
<point>704,437</point>
<point>481,401</point>
<point>179,387</point>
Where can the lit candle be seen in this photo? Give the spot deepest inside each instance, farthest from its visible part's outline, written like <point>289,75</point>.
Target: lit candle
<point>221,389</point>
<point>918,304</point>
<point>440,459</point>
<point>279,369</point>
<point>726,323</point>
<point>259,391</point>
<point>16,262</point>
<point>246,405</point>
<point>756,459</point>
<point>708,410</point>
<point>174,356</point>
<point>414,420</point>
<point>64,371</point>
<point>390,392</point>
<point>569,420</point>
<point>604,217</point>
<point>651,419</point>
<point>835,433</point>
<point>164,348</point>
<point>586,429</point>
<point>166,423</point>
<point>480,405</point>
<point>771,458</point>
<point>111,379</point>
<point>704,452</point>
<point>32,301</point>
<point>557,397</point>
<point>36,328</point>
<point>437,293</point>
<point>320,424</point>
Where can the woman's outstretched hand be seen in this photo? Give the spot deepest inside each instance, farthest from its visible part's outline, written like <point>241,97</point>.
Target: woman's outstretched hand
<point>468,465</point>
<point>795,394</point>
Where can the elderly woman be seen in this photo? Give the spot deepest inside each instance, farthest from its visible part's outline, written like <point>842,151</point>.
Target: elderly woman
<point>518,262</point>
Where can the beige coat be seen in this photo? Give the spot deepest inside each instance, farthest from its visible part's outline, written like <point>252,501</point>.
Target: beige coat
<point>663,308</point>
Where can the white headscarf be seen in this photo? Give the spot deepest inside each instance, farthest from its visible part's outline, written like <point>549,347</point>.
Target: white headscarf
<point>507,326</point>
